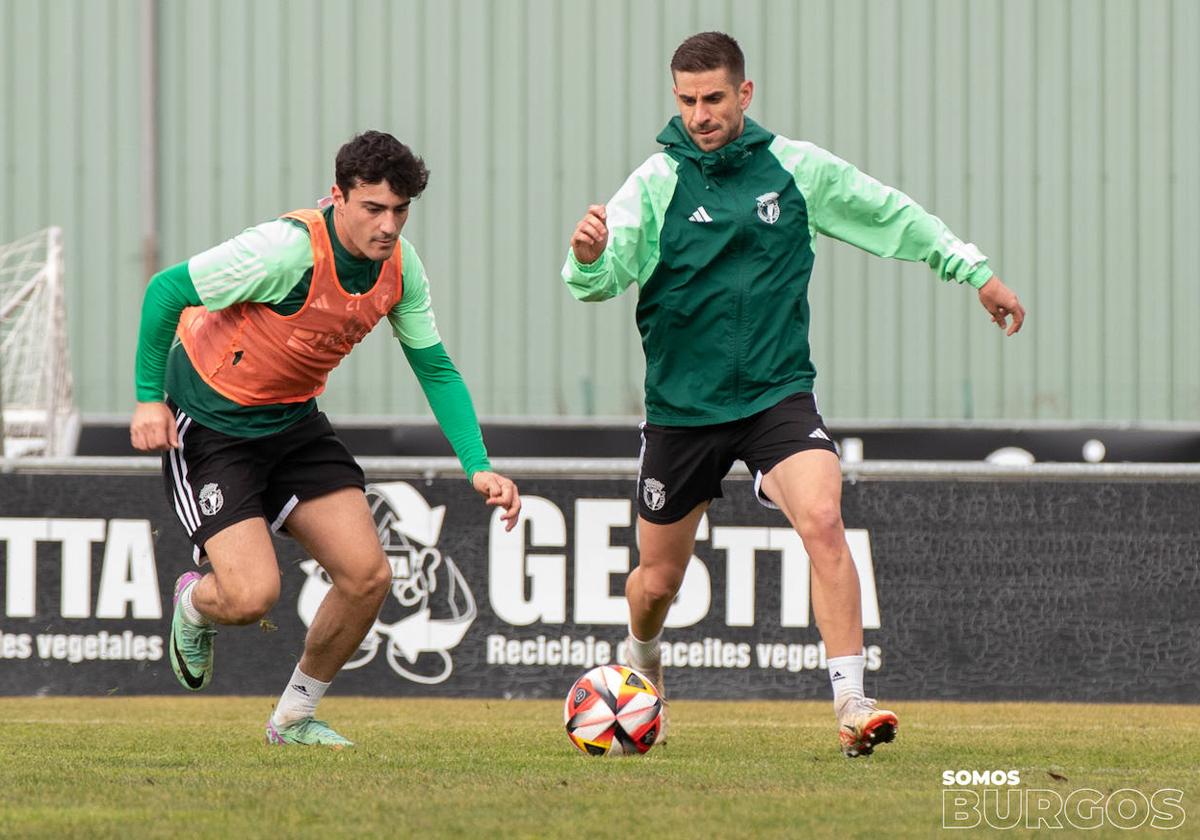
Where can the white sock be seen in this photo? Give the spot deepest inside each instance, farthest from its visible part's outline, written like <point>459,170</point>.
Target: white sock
<point>846,676</point>
<point>299,699</point>
<point>641,652</point>
<point>193,615</point>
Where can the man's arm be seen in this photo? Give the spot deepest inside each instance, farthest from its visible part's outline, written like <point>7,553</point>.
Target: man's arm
<point>167,295</point>
<point>451,404</point>
<point>617,244</point>
<point>414,326</point>
<point>854,207</point>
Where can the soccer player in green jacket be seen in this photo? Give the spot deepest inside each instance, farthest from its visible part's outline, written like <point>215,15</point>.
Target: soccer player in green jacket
<point>261,321</point>
<point>718,232</point>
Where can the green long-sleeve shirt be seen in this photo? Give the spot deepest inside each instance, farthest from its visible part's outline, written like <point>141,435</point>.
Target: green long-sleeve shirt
<point>721,246</point>
<point>271,264</point>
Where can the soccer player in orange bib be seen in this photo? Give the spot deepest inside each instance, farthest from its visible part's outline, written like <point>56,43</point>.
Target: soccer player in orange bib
<point>262,319</point>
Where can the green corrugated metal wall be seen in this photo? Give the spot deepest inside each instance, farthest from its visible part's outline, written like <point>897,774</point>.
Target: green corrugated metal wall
<point>1059,135</point>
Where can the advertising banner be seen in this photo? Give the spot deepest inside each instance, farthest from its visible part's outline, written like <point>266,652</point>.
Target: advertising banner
<point>929,441</point>
<point>977,589</point>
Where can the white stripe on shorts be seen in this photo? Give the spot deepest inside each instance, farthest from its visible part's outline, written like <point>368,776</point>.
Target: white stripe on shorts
<point>760,495</point>
<point>641,457</point>
<point>185,504</point>
<point>283,514</point>
<point>182,508</point>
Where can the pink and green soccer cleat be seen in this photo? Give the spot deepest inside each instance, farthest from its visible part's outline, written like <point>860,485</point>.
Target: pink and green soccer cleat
<point>307,732</point>
<point>191,646</point>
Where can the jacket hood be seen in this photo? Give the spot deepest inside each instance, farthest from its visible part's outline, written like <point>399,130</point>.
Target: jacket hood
<point>678,143</point>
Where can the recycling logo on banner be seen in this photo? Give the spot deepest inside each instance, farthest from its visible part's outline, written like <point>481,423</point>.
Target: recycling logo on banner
<point>425,583</point>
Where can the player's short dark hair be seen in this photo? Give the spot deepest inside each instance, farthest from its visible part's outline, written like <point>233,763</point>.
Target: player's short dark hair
<point>375,156</point>
<point>710,51</point>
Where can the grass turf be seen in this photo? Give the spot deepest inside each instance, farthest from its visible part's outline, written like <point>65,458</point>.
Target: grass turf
<point>197,767</point>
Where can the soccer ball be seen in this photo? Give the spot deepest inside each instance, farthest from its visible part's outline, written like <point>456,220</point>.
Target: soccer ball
<point>613,710</point>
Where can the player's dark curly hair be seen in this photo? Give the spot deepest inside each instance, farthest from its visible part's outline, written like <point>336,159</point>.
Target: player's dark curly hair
<point>375,156</point>
<point>710,51</point>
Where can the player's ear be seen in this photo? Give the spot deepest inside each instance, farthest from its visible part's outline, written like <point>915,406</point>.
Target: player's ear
<point>339,200</point>
<point>745,94</point>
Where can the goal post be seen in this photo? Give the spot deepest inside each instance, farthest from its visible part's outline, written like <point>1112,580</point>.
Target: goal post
<point>38,416</point>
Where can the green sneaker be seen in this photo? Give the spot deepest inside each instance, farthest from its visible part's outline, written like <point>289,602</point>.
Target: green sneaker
<point>307,732</point>
<point>191,652</point>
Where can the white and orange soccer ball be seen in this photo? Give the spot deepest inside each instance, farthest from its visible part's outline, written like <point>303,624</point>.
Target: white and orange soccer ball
<point>613,710</point>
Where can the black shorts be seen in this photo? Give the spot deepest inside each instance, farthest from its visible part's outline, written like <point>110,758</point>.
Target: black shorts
<point>214,480</point>
<point>682,466</point>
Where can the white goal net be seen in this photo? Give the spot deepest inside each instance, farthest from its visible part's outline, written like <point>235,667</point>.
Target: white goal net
<point>37,407</point>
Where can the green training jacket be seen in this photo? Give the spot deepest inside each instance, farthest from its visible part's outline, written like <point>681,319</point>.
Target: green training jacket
<point>721,246</point>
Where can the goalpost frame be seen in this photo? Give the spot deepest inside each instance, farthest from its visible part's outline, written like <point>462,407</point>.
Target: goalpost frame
<point>54,417</point>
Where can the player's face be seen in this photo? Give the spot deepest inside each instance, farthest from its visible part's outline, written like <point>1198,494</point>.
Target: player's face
<point>369,219</point>
<point>712,106</point>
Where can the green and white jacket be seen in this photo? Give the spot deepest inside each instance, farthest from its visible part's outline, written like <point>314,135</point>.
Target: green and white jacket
<point>721,246</point>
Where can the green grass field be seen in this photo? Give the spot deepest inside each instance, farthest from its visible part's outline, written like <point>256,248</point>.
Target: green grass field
<point>196,767</point>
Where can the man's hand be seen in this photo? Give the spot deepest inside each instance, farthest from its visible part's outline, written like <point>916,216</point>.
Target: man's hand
<point>591,235</point>
<point>500,491</point>
<point>153,428</point>
<point>1000,302</point>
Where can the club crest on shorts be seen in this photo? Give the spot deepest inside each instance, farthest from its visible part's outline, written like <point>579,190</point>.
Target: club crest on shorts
<point>768,207</point>
<point>211,499</point>
<point>654,493</point>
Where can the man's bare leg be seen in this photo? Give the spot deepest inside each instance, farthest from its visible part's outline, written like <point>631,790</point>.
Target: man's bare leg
<point>338,530</point>
<point>241,587</point>
<point>808,489</point>
<point>243,583</point>
<point>663,555</point>
<point>807,486</point>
